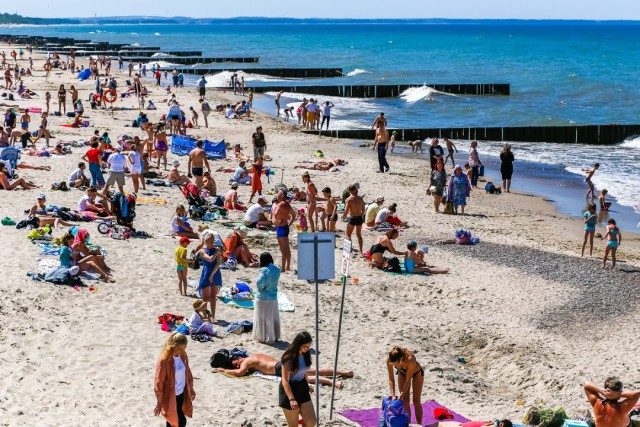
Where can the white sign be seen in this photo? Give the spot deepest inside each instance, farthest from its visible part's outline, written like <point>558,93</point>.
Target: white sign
<point>326,256</point>
<point>346,257</point>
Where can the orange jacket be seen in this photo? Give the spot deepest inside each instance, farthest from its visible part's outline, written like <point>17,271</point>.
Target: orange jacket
<point>164,387</point>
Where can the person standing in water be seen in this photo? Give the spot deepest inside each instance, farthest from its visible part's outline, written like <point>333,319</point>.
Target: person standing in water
<point>278,102</point>
<point>590,173</point>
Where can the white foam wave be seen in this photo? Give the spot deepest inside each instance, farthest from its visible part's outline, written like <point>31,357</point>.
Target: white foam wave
<point>223,78</point>
<point>633,142</point>
<point>344,107</point>
<point>156,34</point>
<point>421,93</point>
<point>162,55</point>
<point>358,71</point>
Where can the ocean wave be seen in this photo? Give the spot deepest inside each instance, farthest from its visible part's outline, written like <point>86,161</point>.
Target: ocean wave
<point>223,78</point>
<point>633,142</point>
<point>421,93</point>
<point>358,71</point>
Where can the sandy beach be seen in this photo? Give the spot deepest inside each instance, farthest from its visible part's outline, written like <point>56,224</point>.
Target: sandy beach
<point>532,319</point>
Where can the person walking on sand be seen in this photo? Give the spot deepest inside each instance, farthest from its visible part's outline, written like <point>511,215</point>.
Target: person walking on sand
<point>590,173</point>
<point>173,382</point>
<point>278,95</point>
<point>354,208</point>
<point>182,264</point>
<point>614,236</point>
<point>608,409</point>
<point>256,178</point>
<point>283,217</point>
<point>410,375</point>
<point>380,120</point>
<point>206,110</point>
<point>197,162</point>
<point>590,219</point>
<point>436,153</point>
<point>382,142</point>
<point>450,147</point>
<point>202,87</point>
<point>294,393</point>
<point>506,168</point>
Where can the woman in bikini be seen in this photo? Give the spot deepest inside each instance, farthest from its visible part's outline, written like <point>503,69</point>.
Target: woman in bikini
<point>43,131</point>
<point>312,199</point>
<point>62,98</point>
<point>12,185</point>
<point>161,146</point>
<point>40,210</point>
<point>381,245</point>
<point>410,374</point>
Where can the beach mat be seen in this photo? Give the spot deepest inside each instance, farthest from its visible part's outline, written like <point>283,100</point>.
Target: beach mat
<point>405,273</point>
<point>284,303</point>
<point>369,417</point>
<point>151,201</point>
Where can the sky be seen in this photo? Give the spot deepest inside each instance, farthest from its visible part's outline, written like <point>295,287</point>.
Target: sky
<point>463,9</point>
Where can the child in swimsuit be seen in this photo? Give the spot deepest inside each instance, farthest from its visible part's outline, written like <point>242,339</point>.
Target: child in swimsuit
<point>614,236</point>
<point>590,173</point>
<point>590,218</point>
<point>604,205</point>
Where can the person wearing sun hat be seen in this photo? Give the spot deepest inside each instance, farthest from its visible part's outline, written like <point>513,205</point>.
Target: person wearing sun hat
<point>39,210</point>
<point>175,177</point>
<point>231,199</point>
<point>182,264</point>
<point>235,247</point>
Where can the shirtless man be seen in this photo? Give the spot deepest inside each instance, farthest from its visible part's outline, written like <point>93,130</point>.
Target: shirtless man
<point>382,142</point>
<point>608,410</point>
<point>283,217</point>
<point>354,208</point>
<point>450,147</point>
<point>270,366</point>
<point>381,119</point>
<point>197,161</point>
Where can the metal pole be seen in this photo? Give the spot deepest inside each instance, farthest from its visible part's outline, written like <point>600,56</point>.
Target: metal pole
<point>315,274</point>
<point>335,362</point>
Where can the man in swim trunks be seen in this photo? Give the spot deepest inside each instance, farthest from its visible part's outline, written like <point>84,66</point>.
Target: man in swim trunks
<point>354,208</point>
<point>382,142</point>
<point>608,410</point>
<point>283,217</point>
<point>380,120</point>
<point>269,366</point>
<point>197,162</point>
<point>450,147</point>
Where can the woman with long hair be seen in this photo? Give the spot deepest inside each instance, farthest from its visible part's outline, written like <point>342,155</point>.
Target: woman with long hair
<point>410,375</point>
<point>173,384</point>
<point>293,393</point>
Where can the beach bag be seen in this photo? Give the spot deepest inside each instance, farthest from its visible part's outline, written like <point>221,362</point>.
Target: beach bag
<point>393,413</point>
<point>221,359</point>
<point>448,208</point>
<point>393,266</point>
<point>545,417</point>
<point>492,189</point>
<point>481,170</point>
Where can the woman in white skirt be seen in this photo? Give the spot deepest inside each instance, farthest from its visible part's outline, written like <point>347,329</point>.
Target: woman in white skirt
<point>266,317</point>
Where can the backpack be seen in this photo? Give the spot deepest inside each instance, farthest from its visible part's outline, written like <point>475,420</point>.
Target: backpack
<point>492,189</point>
<point>221,359</point>
<point>393,265</point>
<point>393,413</point>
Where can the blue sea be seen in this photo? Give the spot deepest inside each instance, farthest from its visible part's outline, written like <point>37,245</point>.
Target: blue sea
<point>561,73</point>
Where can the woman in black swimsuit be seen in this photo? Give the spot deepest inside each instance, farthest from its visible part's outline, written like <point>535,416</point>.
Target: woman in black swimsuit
<point>62,98</point>
<point>410,374</point>
<point>381,245</point>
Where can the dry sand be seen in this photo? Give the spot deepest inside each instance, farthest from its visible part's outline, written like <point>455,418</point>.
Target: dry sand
<point>532,319</point>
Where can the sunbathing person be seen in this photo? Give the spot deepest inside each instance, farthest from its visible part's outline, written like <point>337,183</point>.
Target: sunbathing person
<point>238,154</point>
<point>419,266</point>
<point>83,254</point>
<point>381,245</point>
<point>231,199</point>
<point>608,409</point>
<point>179,225</point>
<point>68,260</point>
<point>320,166</point>
<point>174,175</point>
<point>269,366</point>
<point>23,165</point>
<point>90,202</point>
<point>8,185</point>
<point>44,152</point>
<point>40,210</point>
<point>337,162</point>
<point>209,184</point>
<point>235,247</point>
<point>298,195</point>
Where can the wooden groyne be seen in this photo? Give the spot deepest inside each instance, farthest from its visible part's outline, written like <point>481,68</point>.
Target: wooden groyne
<point>587,134</point>
<point>274,72</point>
<point>390,91</point>
<point>187,60</point>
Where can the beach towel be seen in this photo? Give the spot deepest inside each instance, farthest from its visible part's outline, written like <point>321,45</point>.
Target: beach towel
<point>182,145</point>
<point>284,303</point>
<point>151,201</point>
<point>369,417</point>
<point>46,265</point>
